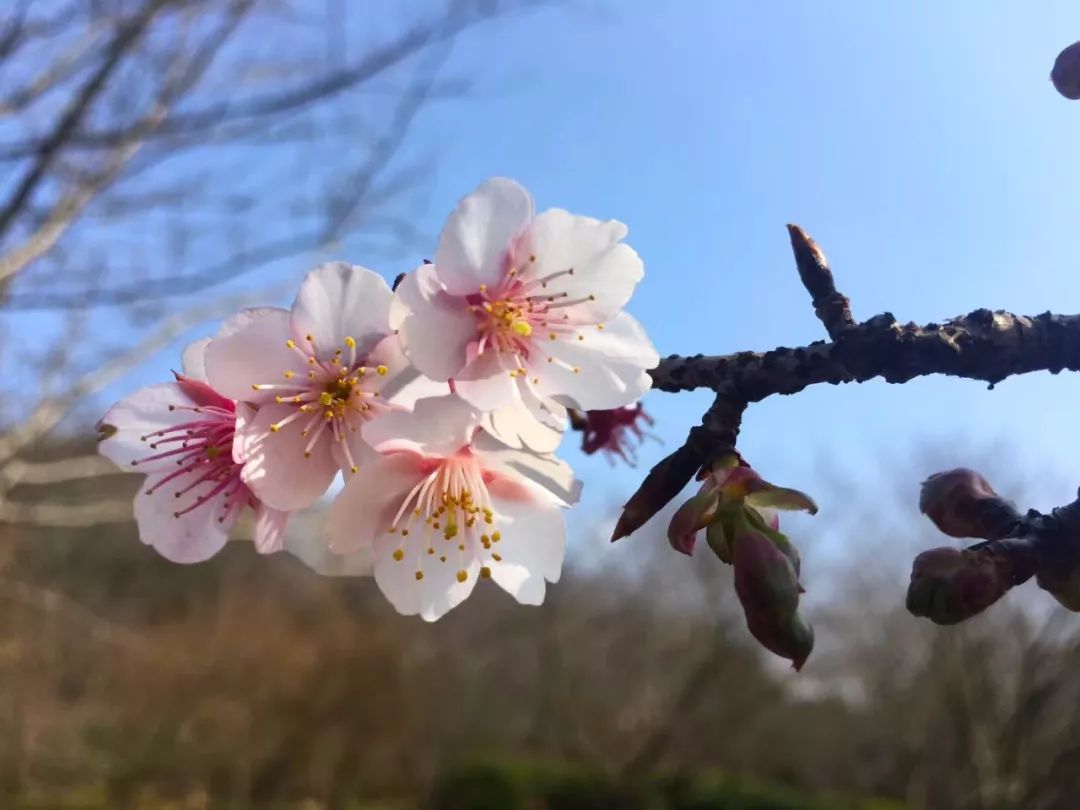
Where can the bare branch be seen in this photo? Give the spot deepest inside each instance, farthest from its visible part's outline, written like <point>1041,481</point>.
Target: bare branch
<point>983,345</point>
<point>64,515</point>
<point>46,152</point>
<point>43,473</point>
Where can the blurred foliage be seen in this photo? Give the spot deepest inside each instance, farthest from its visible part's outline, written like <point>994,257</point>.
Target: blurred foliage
<point>248,682</point>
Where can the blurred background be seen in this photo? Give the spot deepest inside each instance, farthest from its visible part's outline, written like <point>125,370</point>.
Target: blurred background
<point>164,162</point>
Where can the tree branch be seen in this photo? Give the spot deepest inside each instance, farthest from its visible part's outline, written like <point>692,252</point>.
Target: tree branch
<point>982,345</point>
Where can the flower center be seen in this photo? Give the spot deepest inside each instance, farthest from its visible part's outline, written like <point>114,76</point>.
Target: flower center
<point>333,399</point>
<point>202,450</point>
<point>513,316</point>
<point>450,511</point>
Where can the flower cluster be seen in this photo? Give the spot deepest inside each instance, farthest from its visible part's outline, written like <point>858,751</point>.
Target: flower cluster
<point>441,403</point>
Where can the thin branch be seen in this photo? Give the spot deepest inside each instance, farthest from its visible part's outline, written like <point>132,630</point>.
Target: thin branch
<point>832,308</point>
<point>262,107</point>
<point>46,152</point>
<point>65,515</point>
<point>43,473</point>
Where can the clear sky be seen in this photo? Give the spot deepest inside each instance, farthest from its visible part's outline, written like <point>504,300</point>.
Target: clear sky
<point>920,143</point>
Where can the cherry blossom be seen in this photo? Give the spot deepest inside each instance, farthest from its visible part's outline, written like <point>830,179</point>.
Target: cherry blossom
<point>318,373</point>
<point>443,507</point>
<point>517,306</point>
<point>614,432</point>
<point>181,435</point>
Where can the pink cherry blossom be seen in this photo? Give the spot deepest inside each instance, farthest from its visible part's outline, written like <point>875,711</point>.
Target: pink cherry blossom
<point>441,509</point>
<point>517,306</point>
<point>318,373</point>
<point>181,436</point>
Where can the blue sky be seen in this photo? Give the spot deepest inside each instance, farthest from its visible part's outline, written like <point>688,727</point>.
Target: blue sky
<point>920,143</point>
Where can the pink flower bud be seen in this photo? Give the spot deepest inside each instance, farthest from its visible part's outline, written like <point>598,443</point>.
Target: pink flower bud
<point>1066,72</point>
<point>949,585</point>
<point>961,503</point>
<point>767,584</point>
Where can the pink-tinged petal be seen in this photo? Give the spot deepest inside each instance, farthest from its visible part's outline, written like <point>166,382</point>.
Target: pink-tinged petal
<point>487,382</point>
<point>604,268</point>
<point>365,508</point>
<point>518,428</point>
<point>202,394</point>
<point>252,351</point>
<point>476,240</point>
<point>190,538</point>
<point>437,426</point>
<point>339,300</point>
<point>359,457</point>
<point>611,366</point>
<point>270,529</point>
<point>434,327</point>
<point>275,465</point>
<point>146,411</point>
<point>403,384</point>
<point>193,360</point>
<point>531,547</point>
<point>310,548</point>
<point>548,477</point>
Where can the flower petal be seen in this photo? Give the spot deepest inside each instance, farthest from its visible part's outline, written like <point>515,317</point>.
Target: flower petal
<point>251,350</point>
<point>193,360</point>
<point>488,382</point>
<point>339,300</point>
<point>144,412</point>
<point>518,428</point>
<point>434,328</point>
<point>366,506</point>
<point>270,529</point>
<point>764,494</point>
<point>275,467</point>
<point>190,538</point>
<point>403,384</point>
<point>612,366</point>
<point>445,581</point>
<point>531,547</point>
<point>436,426</point>
<point>549,473</point>
<point>479,234</point>
<point>605,271</point>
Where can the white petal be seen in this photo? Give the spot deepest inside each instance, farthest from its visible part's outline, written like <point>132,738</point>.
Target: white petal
<point>612,366</point>
<point>403,383</point>
<point>190,538</point>
<point>532,547</point>
<point>517,427</point>
<point>366,506</point>
<point>270,529</point>
<point>437,426</point>
<point>144,412</point>
<point>549,473</point>
<point>434,327</point>
<point>339,300</point>
<point>274,464</point>
<point>251,350</point>
<point>478,236</point>
<point>603,267</point>
<point>193,360</point>
<point>487,383</point>
<point>438,590</point>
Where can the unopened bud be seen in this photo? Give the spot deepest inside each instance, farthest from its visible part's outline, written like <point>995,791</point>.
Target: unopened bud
<point>949,585</point>
<point>767,584</point>
<point>1066,72</point>
<point>961,503</point>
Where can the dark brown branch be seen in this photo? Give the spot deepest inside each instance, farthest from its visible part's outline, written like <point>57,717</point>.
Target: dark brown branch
<point>983,345</point>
